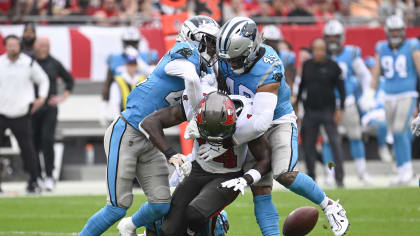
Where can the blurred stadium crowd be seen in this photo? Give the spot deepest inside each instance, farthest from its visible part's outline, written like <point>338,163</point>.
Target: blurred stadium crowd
<point>113,12</point>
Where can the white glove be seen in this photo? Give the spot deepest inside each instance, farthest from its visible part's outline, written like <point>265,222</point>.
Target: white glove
<point>237,184</point>
<point>187,166</point>
<point>415,126</point>
<point>208,152</point>
<point>191,132</point>
<point>210,79</point>
<point>177,161</point>
<point>367,101</point>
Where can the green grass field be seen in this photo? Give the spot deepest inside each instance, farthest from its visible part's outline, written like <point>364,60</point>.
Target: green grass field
<point>373,212</point>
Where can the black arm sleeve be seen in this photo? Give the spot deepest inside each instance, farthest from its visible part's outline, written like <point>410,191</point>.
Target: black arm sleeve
<point>65,76</point>
<point>302,83</point>
<point>157,121</point>
<point>340,85</point>
<point>261,150</point>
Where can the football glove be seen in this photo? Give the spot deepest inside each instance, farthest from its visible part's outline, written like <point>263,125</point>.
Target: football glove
<point>177,161</point>
<point>208,152</point>
<point>191,132</point>
<point>415,126</point>
<point>237,184</point>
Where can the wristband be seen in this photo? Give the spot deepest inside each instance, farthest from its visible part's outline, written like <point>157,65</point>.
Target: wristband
<point>255,174</point>
<point>169,153</point>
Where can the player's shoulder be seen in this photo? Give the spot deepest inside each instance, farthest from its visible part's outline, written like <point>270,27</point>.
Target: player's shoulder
<point>412,42</point>
<point>352,50</point>
<point>381,45</point>
<point>183,50</point>
<point>268,64</point>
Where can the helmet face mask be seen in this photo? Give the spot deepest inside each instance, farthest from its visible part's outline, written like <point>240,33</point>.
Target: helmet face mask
<point>334,42</point>
<point>131,37</point>
<point>200,31</point>
<point>395,30</point>
<point>216,119</point>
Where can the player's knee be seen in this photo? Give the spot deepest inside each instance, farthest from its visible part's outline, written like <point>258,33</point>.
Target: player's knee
<point>354,133</point>
<point>195,219</point>
<point>261,190</point>
<point>287,178</point>
<point>125,200</point>
<point>160,209</point>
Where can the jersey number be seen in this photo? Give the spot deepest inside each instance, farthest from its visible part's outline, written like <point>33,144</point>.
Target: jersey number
<point>389,67</point>
<point>242,90</point>
<point>228,159</point>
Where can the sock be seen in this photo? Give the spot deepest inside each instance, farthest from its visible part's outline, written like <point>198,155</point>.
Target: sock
<point>324,203</point>
<point>102,220</point>
<point>149,213</point>
<point>360,166</point>
<point>357,149</point>
<point>327,155</point>
<point>267,216</point>
<point>381,132</point>
<point>306,187</point>
<point>402,148</point>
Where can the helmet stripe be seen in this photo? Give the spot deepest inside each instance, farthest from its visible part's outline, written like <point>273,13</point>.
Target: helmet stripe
<point>230,32</point>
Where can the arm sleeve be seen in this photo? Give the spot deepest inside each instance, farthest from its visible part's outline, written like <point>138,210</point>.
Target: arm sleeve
<point>340,85</point>
<point>65,76</point>
<point>186,70</point>
<point>362,72</point>
<point>39,76</point>
<point>263,107</point>
<point>301,84</point>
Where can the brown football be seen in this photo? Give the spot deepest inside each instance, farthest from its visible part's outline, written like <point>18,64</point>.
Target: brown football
<point>300,221</point>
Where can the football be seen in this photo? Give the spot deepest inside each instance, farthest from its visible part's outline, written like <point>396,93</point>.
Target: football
<point>300,221</point>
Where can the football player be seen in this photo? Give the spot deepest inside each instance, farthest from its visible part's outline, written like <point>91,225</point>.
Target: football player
<point>130,154</point>
<point>398,60</point>
<point>348,57</point>
<point>130,40</point>
<point>212,180</point>
<point>253,69</point>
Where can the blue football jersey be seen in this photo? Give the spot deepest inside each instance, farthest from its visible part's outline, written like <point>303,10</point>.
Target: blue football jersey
<point>345,60</point>
<point>288,58</point>
<point>160,90</point>
<point>116,60</point>
<point>268,69</point>
<point>397,66</point>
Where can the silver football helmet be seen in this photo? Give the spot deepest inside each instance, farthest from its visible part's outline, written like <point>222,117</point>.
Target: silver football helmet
<point>131,37</point>
<point>216,118</point>
<point>200,31</point>
<point>334,35</point>
<point>272,32</point>
<point>237,45</point>
<point>395,30</point>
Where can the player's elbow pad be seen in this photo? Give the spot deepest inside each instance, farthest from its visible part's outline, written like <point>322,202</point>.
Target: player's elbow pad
<point>263,111</point>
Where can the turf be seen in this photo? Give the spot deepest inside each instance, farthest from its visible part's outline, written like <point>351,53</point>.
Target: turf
<point>394,211</point>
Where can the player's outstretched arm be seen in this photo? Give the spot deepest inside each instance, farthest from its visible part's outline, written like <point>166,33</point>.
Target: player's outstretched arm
<point>154,124</point>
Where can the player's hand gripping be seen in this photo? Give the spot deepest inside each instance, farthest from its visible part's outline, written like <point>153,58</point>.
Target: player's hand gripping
<point>415,126</point>
<point>181,163</point>
<point>208,152</point>
<point>237,184</point>
<point>191,132</point>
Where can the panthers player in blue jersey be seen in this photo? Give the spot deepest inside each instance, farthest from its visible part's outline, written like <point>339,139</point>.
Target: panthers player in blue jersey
<point>348,57</point>
<point>253,69</point>
<point>398,60</point>
<point>129,153</point>
<point>116,61</point>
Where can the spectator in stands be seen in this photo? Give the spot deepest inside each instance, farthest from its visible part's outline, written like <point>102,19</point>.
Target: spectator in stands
<point>392,7</point>
<point>265,8</point>
<point>44,121</point>
<point>320,77</point>
<point>364,8</point>
<point>232,9</point>
<point>28,39</point>
<point>129,8</point>
<point>300,15</point>
<point>109,10</point>
<point>323,10</point>
<point>281,7</point>
<point>18,74</point>
<point>123,83</point>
